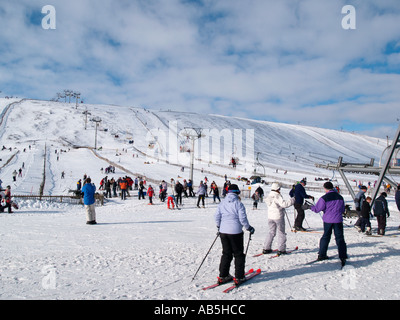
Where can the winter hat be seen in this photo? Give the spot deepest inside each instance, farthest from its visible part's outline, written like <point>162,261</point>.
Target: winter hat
<point>233,188</point>
<point>328,185</point>
<point>275,186</point>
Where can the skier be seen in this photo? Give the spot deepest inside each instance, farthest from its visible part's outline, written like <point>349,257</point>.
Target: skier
<point>88,191</point>
<point>178,190</point>
<point>108,188</point>
<point>124,187</point>
<point>365,215</point>
<point>260,193</point>
<point>201,193</point>
<point>7,199</point>
<point>381,210</point>
<point>14,174</point>
<point>358,202</point>
<point>256,199</point>
<point>150,193</point>
<point>163,190</point>
<point>190,186</point>
<point>171,202</point>
<point>141,190</point>
<point>2,196</point>
<point>79,185</point>
<point>276,219</point>
<point>230,219</point>
<point>215,191</point>
<point>332,204</point>
<point>300,194</point>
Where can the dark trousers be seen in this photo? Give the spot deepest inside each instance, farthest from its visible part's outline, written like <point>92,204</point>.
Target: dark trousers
<point>151,200</point>
<point>216,196</point>
<point>381,222</point>
<point>232,247</point>
<point>339,237</point>
<point>365,222</point>
<point>179,198</point>
<point>201,197</point>
<point>8,205</point>
<point>300,215</point>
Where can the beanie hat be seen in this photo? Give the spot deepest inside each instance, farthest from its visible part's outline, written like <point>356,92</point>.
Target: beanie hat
<point>233,188</point>
<point>275,186</point>
<point>328,185</point>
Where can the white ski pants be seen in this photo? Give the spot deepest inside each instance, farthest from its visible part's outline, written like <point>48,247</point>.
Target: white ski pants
<point>276,228</point>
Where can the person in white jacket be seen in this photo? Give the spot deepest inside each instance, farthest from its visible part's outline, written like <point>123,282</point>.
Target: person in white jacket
<point>276,219</point>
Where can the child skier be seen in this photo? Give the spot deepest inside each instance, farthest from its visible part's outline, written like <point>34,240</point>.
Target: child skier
<point>365,215</point>
<point>171,202</point>
<point>150,193</point>
<point>276,219</point>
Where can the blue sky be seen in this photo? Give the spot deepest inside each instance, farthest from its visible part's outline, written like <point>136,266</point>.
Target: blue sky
<point>287,61</point>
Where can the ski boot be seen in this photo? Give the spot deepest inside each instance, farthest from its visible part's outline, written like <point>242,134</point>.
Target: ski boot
<point>222,280</point>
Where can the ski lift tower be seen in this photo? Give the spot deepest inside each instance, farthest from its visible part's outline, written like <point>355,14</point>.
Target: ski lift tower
<point>386,165</point>
<point>97,121</point>
<point>193,134</point>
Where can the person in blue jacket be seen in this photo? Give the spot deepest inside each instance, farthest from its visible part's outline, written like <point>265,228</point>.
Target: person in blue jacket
<point>88,191</point>
<point>230,219</point>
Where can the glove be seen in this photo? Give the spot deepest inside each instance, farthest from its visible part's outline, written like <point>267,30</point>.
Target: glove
<point>251,230</point>
<point>306,206</point>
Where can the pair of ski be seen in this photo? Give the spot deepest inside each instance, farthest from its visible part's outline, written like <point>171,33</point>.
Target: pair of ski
<point>248,275</point>
<point>277,254</point>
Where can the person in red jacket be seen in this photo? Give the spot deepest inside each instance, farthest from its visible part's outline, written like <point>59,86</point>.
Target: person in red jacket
<point>150,193</point>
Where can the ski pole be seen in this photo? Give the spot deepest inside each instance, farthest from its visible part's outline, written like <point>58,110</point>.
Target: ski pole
<point>206,256</point>
<point>248,243</point>
<point>288,220</point>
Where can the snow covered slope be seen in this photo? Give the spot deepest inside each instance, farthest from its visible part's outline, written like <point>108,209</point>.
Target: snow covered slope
<point>138,138</point>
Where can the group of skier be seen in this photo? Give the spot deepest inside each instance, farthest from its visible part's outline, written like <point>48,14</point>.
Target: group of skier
<point>231,218</point>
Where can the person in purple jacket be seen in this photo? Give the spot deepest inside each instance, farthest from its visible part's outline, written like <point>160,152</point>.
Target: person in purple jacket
<point>332,204</point>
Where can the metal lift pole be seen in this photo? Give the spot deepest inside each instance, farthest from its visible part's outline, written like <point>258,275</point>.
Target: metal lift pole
<point>386,165</point>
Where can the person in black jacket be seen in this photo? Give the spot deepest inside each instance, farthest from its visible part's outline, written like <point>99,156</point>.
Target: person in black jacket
<point>178,190</point>
<point>381,211</point>
<point>300,194</point>
<point>365,215</point>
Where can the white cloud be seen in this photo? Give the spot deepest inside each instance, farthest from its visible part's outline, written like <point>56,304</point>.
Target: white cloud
<point>286,60</point>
